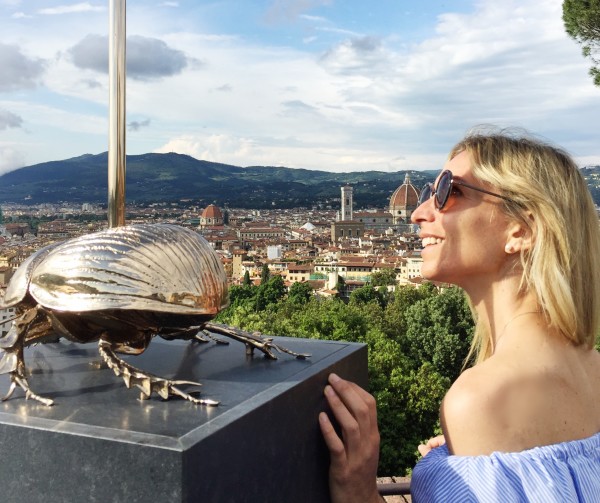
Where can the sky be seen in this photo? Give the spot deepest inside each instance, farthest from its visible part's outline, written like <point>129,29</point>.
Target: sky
<point>334,85</point>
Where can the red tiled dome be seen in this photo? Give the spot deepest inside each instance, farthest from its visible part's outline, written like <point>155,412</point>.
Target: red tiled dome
<point>405,196</point>
<point>213,212</point>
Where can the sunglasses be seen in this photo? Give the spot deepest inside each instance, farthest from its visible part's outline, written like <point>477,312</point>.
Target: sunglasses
<point>443,189</point>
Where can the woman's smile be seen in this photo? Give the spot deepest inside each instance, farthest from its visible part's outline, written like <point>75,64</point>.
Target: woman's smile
<point>430,240</point>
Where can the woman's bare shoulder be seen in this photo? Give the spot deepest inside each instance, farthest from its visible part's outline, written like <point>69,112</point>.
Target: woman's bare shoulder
<point>474,411</point>
<point>514,403</point>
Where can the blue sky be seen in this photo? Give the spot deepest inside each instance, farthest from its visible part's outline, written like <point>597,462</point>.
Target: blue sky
<point>336,85</point>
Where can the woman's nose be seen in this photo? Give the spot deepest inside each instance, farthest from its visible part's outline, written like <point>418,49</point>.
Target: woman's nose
<point>424,212</point>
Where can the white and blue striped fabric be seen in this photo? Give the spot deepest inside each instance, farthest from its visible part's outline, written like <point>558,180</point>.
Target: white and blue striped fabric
<point>561,473</point>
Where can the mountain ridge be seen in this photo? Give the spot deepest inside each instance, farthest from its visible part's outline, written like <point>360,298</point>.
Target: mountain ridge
<point>172,177</point>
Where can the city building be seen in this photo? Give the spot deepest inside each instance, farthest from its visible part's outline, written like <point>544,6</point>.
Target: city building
<point>375,220</point>
<point>347,229</point>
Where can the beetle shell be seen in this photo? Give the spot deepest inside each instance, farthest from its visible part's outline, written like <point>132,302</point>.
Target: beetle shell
<point>18,284</point>
<point>147,267</point>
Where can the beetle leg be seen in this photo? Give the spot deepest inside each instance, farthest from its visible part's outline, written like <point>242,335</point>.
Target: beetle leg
<point>206,333</point>
<point>19,380</point>
<point>11,390</point>
<point>253,341</point>
<point>22,382</point>
<point>13,362</point>
<point>145,381</point>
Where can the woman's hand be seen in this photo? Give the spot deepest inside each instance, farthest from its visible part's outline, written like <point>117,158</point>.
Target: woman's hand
<point>432,443</point>
<point>355,456</point>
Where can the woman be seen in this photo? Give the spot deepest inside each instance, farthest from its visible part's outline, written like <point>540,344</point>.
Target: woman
<point>511,221</point>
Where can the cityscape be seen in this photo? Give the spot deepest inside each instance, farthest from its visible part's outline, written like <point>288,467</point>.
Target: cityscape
<point>301,245</point>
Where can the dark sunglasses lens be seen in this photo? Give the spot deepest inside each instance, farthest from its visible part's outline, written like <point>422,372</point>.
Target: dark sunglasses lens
<point>425,194</point>
<point>442,192</point>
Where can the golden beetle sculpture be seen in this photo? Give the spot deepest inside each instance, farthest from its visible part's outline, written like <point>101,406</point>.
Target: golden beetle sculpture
<point>120,287</point>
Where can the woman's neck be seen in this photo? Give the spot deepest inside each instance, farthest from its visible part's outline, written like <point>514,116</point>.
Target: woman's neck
<point>500,307</point>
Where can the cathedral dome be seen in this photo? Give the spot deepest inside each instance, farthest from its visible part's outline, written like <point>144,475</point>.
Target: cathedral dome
<point>404,201</point>
<point>211,216</point>
<point>406,196</point>
<point>213,212</point>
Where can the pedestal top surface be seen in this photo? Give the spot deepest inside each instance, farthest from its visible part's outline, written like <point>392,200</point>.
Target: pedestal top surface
<point>95,402</point>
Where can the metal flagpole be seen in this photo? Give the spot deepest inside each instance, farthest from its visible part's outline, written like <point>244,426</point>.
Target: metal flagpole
<point>116,140</point>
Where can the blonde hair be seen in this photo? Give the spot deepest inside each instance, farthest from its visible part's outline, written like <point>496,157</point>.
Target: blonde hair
<point>549,197</point>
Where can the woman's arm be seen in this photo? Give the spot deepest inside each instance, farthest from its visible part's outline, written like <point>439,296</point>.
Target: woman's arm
<point>355,456</point>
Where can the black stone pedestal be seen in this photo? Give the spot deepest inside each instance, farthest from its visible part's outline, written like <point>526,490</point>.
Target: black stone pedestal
<point>100,443</point>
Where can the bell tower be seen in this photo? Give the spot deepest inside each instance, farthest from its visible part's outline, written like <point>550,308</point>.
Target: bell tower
<point>346,203</point>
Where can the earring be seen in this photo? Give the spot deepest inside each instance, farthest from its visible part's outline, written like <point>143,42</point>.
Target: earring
<point>509,249</point>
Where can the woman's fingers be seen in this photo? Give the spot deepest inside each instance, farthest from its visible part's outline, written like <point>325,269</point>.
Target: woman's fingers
<point>356,413</point>
<point>360,404</point>
<point>333,441</point>
<point>354,454</point>
<point>432,443</point>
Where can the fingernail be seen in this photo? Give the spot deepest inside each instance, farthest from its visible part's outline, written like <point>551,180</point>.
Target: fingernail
<point>329,390</point>
<point>333,378</point>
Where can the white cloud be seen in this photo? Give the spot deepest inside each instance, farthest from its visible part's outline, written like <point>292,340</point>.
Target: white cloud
<point>9,120</point>
<point>289,10</point>
<point>18,71</point>
<point>10,159</point>
<point>70,9</point>
<point>147,58</point>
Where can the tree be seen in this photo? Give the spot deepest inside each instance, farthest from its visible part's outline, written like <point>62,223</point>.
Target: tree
<point>247,281</point>
<point>241,294</point>
<point>300,293</point>
<point>365,295</point>
<point>341,284</point>
<point>265,274</point>
<point>582,22</point>
<point>273,290</point>
<point>384,277</point>
<point>439,330</point>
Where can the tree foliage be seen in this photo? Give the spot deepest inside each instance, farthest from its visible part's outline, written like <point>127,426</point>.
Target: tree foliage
<point>265,274</point>
<point>417,339</point>
<point>300,293</point>
<point>582,22</point>
<point>384,277</point>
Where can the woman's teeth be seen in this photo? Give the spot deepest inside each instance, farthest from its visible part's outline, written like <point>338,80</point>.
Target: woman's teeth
<point>431,241</point>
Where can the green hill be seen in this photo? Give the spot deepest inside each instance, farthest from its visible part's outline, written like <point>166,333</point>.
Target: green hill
<point>173,177</point>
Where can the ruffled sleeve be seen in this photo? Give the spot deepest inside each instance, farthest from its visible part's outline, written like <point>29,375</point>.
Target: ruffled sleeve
<point>560,473</point>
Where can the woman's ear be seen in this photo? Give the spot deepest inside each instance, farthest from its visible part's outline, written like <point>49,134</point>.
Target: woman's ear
<point>519,236</point>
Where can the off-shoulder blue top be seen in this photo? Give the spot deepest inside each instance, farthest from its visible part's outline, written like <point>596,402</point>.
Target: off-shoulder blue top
<point>559,473</point>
